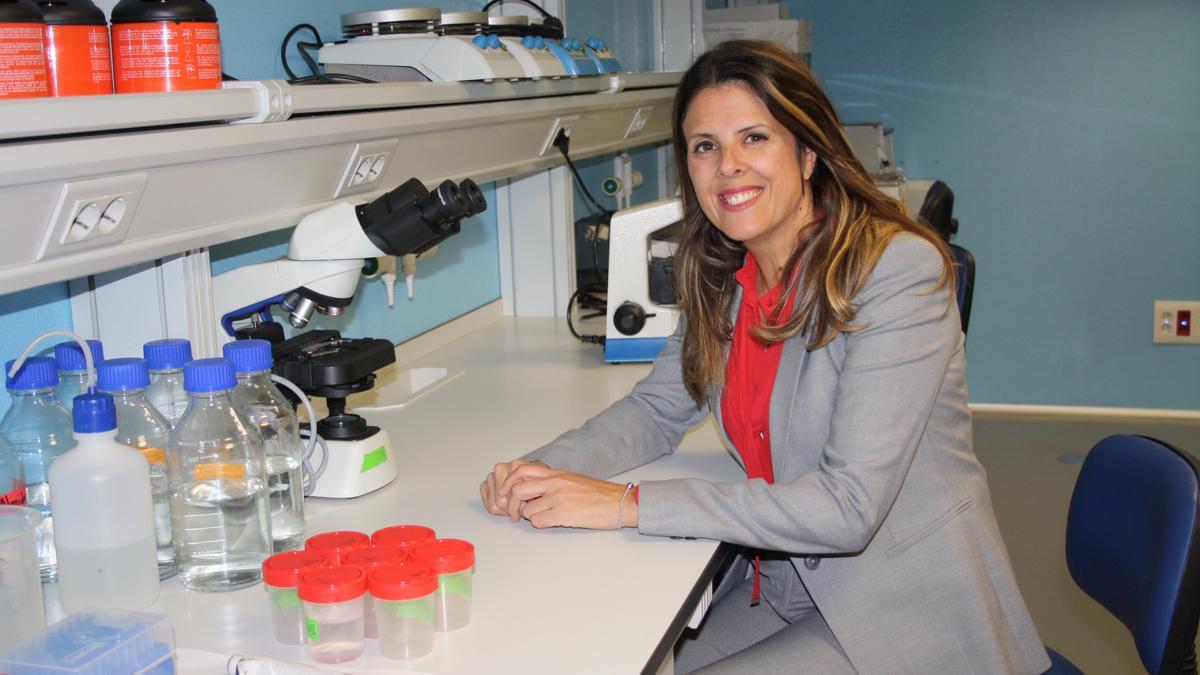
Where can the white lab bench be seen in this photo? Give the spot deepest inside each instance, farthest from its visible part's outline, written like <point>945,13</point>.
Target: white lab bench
<point>549,601</point>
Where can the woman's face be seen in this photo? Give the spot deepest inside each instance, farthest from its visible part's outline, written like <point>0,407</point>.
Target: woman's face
<point>749,174</point>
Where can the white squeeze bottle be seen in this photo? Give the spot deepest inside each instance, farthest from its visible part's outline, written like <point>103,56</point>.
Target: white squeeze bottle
<point>103,515</point>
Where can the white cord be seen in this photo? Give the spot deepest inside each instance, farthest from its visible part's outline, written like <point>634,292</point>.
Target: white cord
<point>309,480</point>
<point>87,354</point>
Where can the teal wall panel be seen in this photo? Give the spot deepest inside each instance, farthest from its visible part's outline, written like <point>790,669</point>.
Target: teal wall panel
<point>1067,132</point>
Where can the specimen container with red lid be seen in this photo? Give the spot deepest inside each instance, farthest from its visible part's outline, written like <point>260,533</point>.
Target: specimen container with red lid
<point>454,562</point>
<point>333,611</point>
<point>281,574</point>
<point>404,596</point>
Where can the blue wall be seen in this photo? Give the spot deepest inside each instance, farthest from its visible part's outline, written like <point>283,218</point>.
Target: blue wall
<point>1067,131</point>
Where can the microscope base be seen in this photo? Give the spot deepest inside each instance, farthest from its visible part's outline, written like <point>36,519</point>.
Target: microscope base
<point>356,467</point>
<point>633,349</point>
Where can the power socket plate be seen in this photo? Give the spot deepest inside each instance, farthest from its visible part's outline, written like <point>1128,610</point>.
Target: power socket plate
<point>567,123</point>
<point>368,163</point>
<point>1168,325</point>
<point>92,213</point>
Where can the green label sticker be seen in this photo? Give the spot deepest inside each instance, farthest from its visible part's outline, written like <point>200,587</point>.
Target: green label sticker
<point>312,627</point>
<point>373,459</point>
<point>414,610</point>
<point>286,599</point>
<point>459,584</point>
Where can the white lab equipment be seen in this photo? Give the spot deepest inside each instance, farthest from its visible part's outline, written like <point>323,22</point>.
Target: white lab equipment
<point>639,320</point>
<point>104,515</point>
<point>402,45</point>
<point>217,471</point>
<point>142,427</point>
<point>321,273</point>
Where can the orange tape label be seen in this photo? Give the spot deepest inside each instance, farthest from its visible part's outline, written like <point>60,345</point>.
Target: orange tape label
<point>211,471</point>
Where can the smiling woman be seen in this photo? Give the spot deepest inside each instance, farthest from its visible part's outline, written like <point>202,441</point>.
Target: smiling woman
<point>820,330</point>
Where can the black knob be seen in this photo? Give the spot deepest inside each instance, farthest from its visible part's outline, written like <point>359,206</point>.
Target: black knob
<point>629,318</point>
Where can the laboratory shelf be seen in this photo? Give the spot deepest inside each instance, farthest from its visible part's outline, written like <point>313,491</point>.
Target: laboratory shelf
<point>91,184</point>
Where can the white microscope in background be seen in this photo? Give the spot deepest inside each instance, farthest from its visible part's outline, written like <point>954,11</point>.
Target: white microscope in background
<point>321,274</point>
<point>642,310</point>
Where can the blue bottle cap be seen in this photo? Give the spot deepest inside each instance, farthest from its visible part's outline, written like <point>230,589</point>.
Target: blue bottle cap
<point>249,356</point>
<point>204,375</point>
<point>69,356</point>
<point>169,353</point>
<point>122,375</point>
<point>38,372</point>
<point>480,41</point>
<point>93,413</point>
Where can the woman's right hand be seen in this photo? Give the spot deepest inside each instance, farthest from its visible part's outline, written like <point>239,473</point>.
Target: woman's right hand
<point>489,489</point>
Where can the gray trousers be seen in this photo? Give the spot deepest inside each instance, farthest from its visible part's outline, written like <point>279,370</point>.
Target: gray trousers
<point>738,638</point>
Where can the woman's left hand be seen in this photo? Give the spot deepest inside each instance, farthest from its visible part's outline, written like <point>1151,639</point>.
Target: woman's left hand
<point>555,498</point>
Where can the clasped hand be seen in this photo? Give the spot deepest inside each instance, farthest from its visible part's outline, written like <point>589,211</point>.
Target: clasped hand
<point>549,497</point>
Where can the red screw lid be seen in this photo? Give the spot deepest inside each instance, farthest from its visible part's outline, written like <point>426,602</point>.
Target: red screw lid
<point>402,581</point>
<point>283,569</point>
<point>404,536</point>
<point>332,584</point>
<point>372,557</point>
<point>446,556</point>
<point>336,543</point>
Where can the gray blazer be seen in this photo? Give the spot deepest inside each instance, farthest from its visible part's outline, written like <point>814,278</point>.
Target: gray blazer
<point>879,502</point>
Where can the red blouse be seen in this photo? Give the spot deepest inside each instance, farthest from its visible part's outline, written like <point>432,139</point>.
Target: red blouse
<point>749,379</point>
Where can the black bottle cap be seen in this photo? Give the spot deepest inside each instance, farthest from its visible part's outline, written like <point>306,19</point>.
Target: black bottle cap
<point>137,11</point>
<point>19,11</point>
<point>72,13</point>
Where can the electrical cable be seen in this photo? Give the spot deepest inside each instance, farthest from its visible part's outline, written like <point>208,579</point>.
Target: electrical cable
<point>544,13</point>
<point>304,49</point>
<point>309,480</point>
<point>584,295</point>
<point>563,142</point>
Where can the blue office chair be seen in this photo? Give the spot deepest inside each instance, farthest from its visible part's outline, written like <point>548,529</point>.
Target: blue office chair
<point>937,211</point>
<point>1132,544</point>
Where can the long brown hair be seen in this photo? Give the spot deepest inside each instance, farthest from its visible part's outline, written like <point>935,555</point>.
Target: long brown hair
<point>835,254</point>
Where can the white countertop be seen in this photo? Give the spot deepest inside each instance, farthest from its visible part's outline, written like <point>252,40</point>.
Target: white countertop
<point>552,601</point>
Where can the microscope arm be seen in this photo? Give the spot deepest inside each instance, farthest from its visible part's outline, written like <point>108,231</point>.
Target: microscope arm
<point>328,283</point>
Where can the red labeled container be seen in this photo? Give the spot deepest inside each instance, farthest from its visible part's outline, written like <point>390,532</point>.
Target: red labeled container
<point>165,45</point>
<point>22,54</point>
<point>78,59</point>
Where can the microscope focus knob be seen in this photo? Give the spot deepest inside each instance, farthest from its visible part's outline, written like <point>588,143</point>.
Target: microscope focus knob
<point>630,318</point>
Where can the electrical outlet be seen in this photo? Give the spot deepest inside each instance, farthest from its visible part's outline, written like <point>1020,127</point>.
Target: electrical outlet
<point>640,117</point>
<point>91,214</point>
<point>367,165</point>
<point>566,123</point>
<point>1174,322</point>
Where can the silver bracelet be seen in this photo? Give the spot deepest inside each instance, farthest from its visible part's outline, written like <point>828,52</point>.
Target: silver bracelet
<point>621,504</point>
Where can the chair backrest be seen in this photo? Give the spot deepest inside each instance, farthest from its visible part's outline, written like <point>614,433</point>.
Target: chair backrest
<point>965,264</point>
<point>1132,544</point>
<point>937,211</point>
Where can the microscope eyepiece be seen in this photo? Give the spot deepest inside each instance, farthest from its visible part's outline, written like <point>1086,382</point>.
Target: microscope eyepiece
<point>411,219</point>
<point>476,203</point>
<point>444,204</point>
